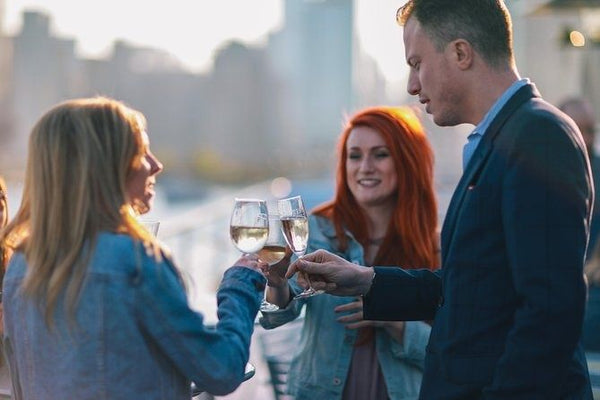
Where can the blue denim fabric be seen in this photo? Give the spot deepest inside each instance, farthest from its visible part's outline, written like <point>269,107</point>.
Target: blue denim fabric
<point>134,337</point>
<point>321,364</point>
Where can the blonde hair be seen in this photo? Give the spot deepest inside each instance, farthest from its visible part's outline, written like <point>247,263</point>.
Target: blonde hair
<point>4,200</point>
<point>4,253</point>
<point>80,154</point>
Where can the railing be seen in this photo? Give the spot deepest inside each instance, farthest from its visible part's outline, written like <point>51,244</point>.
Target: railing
<point>199,241</point>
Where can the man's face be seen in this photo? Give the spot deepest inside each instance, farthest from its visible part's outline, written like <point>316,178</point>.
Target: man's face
<point>432,76</point>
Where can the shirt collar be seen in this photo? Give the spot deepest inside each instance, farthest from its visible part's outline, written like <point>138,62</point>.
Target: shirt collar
<point>501,102</point>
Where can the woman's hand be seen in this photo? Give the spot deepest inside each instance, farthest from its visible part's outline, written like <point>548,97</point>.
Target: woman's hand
<point>278,290</point>
<point>251,261</point>
<point>275,273</point>
<point>355,320</point>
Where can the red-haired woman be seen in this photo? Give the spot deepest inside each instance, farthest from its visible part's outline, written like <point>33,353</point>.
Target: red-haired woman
<point>383,213</point>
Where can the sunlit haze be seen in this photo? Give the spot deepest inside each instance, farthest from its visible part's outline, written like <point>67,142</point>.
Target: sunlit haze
<point>192,30</point>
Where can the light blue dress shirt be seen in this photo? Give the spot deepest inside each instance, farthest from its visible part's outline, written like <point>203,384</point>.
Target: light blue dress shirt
<point>474,138</point>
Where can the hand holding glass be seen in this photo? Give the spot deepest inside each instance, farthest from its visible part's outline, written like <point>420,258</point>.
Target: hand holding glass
<point>249,230</point>
<point>273,252</point>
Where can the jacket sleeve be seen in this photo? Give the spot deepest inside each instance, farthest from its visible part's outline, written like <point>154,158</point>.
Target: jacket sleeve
<point>212,357</point>
<point>545,212</point>
<point>403,295</point>
<point>273,319</point>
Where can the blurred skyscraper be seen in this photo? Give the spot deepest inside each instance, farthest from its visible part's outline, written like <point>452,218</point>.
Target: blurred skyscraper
<point>314,57</point>
<point>44,69</point>
<point>265,110</point>
<point>260,112</point>
<point>6,113</point>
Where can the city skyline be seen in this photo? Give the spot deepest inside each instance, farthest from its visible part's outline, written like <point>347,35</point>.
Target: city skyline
<point>258,104</point>
<point>210,24</point>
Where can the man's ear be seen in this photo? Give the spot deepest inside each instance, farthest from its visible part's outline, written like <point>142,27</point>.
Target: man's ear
<point>462,52</point>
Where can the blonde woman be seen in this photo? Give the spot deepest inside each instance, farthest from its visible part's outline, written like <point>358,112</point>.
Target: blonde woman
<point>94,307</point>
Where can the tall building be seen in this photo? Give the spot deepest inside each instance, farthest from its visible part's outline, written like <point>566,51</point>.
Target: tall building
<point>43,71</point>
<point>6,109</point>
<point>5,79</point>
<point>283,106</point>
<point>313,56</point>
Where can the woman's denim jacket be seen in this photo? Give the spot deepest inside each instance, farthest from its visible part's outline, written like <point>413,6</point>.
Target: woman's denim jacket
<point>322,360</point>
<point>134,335</point>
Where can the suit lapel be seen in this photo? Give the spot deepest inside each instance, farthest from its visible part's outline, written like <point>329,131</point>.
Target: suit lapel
<point>478,160</point>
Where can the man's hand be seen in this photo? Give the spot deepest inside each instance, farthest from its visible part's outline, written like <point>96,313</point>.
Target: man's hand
<point>325,271</point>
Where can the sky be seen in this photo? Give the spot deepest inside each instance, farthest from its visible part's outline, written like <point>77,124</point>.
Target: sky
<point>192,30</point>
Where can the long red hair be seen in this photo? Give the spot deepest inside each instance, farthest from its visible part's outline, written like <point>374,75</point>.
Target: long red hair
<point>411,240</point>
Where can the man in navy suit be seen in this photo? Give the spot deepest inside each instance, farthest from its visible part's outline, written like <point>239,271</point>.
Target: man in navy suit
<point>508,302</point>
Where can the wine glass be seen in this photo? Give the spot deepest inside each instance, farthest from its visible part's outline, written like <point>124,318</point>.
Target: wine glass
<point>249,225</point>
<point>273,251</point>
<point>249,231</point>
<point>294,223</point>
<point>151,225</point>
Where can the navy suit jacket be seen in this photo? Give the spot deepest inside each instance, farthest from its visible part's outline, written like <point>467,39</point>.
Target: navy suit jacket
<point>509,300</point>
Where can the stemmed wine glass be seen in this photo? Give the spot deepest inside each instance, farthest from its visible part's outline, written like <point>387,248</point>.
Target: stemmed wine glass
<point>249,225</point>
<point>294,223</point>
<point>273,251</point>
<point>249,230</point>
<point>151,225</point>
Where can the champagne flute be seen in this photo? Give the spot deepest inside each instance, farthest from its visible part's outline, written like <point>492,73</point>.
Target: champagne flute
<point>294,223</point>
<point>273,251</point>
<point>249,225</point>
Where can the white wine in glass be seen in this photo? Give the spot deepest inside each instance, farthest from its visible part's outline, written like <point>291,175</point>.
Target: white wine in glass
<point>249,225</point>
<point>248,239</point>
<point>272,252</point>
<point>294,223</point>
<point>295,230</point>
